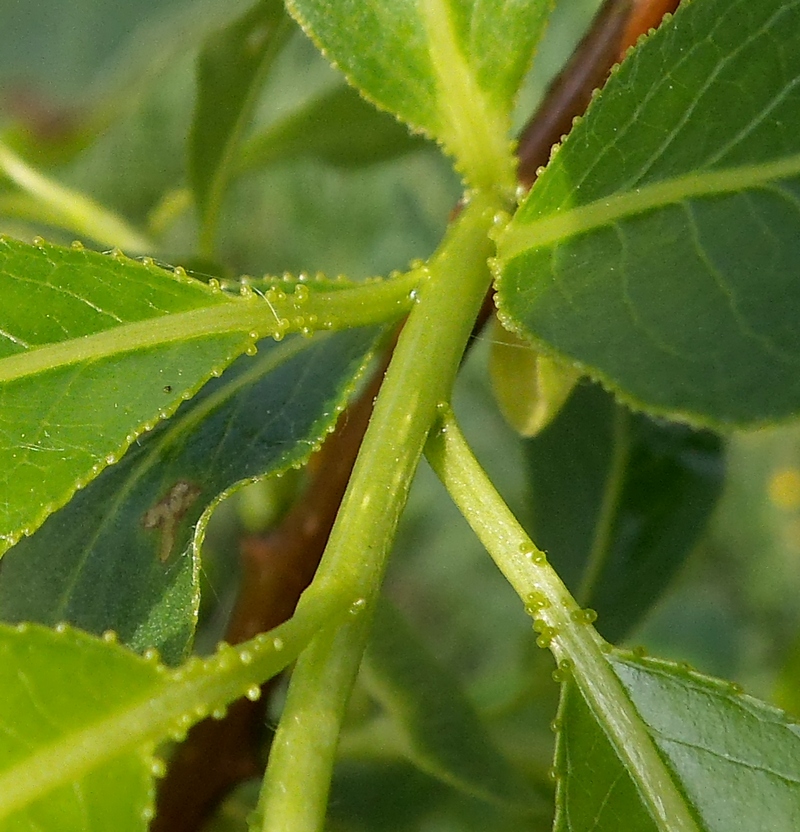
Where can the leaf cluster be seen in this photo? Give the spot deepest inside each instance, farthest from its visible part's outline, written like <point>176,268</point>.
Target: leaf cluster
<point>646,313</point>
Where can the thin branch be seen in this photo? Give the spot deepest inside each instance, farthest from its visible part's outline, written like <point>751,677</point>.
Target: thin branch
<point>616,27</point>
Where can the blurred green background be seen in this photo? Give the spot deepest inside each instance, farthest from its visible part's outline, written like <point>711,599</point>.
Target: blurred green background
<point>99,93</point>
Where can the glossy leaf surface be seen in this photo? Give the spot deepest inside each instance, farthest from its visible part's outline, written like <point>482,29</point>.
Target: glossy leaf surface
<point>123,555</point>
<point>735,759</point>
<point>619,501</point>
<point>339,127</point>
<point>56,684</point>
<point>461,65</point>
<point>440,730</point>
<point>231,69</point>
<point>660,246</point>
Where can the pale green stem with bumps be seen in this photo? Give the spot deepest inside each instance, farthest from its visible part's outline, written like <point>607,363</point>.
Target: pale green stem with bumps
<point>419,378</point>
<point>562,625</point>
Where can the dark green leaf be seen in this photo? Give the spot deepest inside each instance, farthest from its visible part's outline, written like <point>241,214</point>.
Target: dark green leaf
<point>339,127</point>
<point>461,65</point>
<point>123,555</point>
<point>380,796</point>
<point>735,759</point>
<point>619,500</point>
<point>231,70</point>
<point>441,732</point>
<point>660,247</point>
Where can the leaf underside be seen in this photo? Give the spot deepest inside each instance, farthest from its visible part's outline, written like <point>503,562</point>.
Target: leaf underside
<point>123,555</point>
<point>443,734</point>
<point>659,249</point>
<point>461,66</point>
<point>54,684</point>
<point>230,71</point>
<point>619,500</point>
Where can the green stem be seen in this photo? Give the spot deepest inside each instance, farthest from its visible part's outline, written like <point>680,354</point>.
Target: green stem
<point>305,744</point>
<point>70,209</point>
<point>419,378</point>
<point>560,622</point>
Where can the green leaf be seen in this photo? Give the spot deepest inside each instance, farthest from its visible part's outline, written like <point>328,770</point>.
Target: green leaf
<point>440,731</point>
<point>530,388</point>
<point>462,63</point>
<point>380,796</point>
<point>124,554</point>
<point>659,248</point>
<point>96,350</point>
<point>619,501</point>
<point>56,684</point>
<point>231,70</point>
<point>735,759</point>
<point>339,127</point>
<point>80,717</point>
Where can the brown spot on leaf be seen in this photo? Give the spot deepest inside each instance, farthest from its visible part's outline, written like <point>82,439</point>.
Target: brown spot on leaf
<point>168,512</point>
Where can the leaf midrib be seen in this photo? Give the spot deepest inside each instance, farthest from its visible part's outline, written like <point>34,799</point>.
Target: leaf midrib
<point>240,316</point>
<point>472,130</point>
<point>134,726</point>
<point>253,317</point>
<point>521,236</point>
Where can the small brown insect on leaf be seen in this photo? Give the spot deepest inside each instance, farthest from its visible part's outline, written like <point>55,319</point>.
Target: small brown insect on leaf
<point>168,512</point>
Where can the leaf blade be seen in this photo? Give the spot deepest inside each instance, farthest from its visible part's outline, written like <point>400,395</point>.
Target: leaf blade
<point>733,757</point>
<point>140,703</point>
<point>680,201</point>
<point>230,72</point>
<point>38,707</point>
<point>78,326</point>
<point>124,554</point>
<point>339,127</point>
<point>462,64</point>
<point>441,732</point>
<point>619,501</point>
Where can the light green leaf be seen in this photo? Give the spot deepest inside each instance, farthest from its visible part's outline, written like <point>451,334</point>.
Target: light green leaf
<point>80,718</point>
<point>736,760</point>
<point>659,248</point>
<point>530,388</point>
<point>124,553</point>
<point>96,350</point>
<point>440,731</point>
<point>231,70</point>
<point>56,684</point>
<point>462,63</point>
<point>338,127</point>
